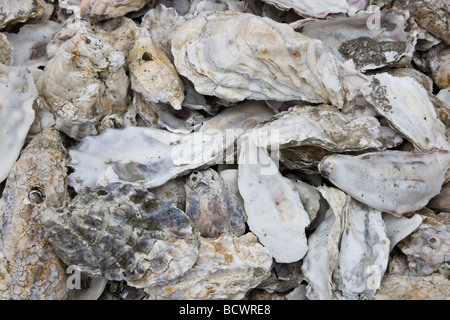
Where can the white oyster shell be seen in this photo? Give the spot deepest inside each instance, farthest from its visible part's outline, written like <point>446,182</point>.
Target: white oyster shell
<point>17,95</point>
<point>398,228</point>
<point>405,104</point>
<point>397,182</point>
<point>101,9</point>
<point>152,73</point>
<point>369,46</point>
<point>227,267</point>
<point>356,246</point>
<point>217,5</point>
<point>321,126</point>
<point>237,56</point>
<point>274,210</point>
<point>84,83</point>
<point>312,8</point>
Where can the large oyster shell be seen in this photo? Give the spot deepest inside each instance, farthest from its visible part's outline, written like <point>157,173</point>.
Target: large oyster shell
<point>123,233</point>
<point>274,210</point>
<point>397,182</point>
<point>17,95</point>
<point>31,270</point>
<point>227,267</point>
<point>84,83</point>
<point>237,56</point>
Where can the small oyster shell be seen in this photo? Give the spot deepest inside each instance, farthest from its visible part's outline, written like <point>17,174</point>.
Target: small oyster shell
<point>398,228</point>
<point>14,12</point>
<point>152,73</point>
<point>312,8</point>
<point>101,9</point>
<point>405,104</point>
<point>322,126</point>
<point>397,182</point>
<point>398,287</point>
<point>17,95</point>
<point>439,62</point>
<point>83,83</point>
<point>237,56</point>
<point>274,210</point>
<point>172,191</point>
<point>211,206</point>
<point>36,183</point>
<point>227,267</point>
<point>370,47</point>
<point>428,246</point>
<point>309,196</point>
<point>123,233</point>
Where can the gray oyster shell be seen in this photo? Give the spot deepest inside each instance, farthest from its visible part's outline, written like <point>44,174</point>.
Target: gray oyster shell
<point>121,232</point>
<point>212,207</point>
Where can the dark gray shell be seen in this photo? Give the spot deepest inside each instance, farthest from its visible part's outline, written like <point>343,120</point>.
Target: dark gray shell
<point>121,232</point>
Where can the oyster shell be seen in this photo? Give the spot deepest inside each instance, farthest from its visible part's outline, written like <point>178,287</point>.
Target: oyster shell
<point>441,203</point>
<point>270,61</point>
<point>370,47</point>
<point>274,210</point>
<point>217,5</point>
<point>405,104</point>
<point>356,246</point>
<point>439,63</point>
<point>123,233</point>
<point>17,95</point>
<point>398,228</point>
<point>213,208</point>
<point>30,46</point>
<point>101,9</point>
<point>399,287</point>
<point>312,8</point>
<point>36,183</point>
<point>227,268</point>
<point>13,12</point>
<point>322,126</point>
<point>84,83</point>
<point>428,246</point>
<point>152,73</point>
<point>397,182</point>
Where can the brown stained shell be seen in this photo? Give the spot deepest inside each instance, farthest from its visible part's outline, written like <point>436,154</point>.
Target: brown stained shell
<point>14,12</point>
<point>120,232</point>
<point>227,268</point>
<point>212,206</point>
<point>84,83</point>
<point>439,63</point>
<point>6,50</point>
<point>29,268</point>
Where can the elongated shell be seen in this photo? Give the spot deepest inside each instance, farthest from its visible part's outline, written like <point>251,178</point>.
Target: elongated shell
<point>237,56</point>
<point>312,8</point>
<point>405,104</point>
<point>274,210</point>
<point>17,95</point>
<point>392,181</point>
<point>36,183</point>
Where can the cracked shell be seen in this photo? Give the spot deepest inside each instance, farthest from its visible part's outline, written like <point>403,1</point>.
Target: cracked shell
<point>36,183</point>
<point>121,232</point>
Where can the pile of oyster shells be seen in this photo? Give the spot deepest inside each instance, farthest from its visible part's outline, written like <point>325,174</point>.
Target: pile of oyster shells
<point>224,149</point>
